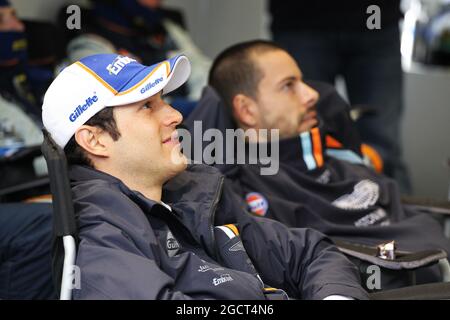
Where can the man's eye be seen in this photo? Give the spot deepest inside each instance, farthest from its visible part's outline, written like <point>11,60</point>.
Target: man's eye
<point>288,85</point>
<point>147,105</point>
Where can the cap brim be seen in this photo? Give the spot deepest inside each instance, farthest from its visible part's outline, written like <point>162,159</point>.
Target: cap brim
<point>181,70</point>
<point>166,77</point>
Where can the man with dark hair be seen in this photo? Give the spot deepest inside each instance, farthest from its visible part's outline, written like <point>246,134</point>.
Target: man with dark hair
<point>150,228</point>
<point>339,38</point>
<point>258,85</point>
<point>234,71</point>
<point>236,76</point>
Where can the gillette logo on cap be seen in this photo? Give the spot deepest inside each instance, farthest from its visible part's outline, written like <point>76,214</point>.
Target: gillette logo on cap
<point>151,85</point>
<point>81,108</point>
<point>101,81</point>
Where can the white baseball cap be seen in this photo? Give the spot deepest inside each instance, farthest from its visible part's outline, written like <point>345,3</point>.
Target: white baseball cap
<point>104,80</point>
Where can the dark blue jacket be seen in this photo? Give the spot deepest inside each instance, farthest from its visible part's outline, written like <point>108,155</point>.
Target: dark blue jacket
<point>134,248</point>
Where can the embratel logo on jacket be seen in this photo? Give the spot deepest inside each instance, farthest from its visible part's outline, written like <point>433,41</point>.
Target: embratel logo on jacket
<point>82,108</point>
<point>257,203</point>
<point>222,279</point>
<point>118,64</point>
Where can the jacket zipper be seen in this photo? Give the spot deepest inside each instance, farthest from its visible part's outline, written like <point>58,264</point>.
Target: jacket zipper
<point>213,215</point>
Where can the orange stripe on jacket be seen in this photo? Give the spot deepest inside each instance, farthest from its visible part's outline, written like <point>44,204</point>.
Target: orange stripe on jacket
<point>373,156</point>
<point>317,146</point>
<point>331,142</point>
<point>233,228</point>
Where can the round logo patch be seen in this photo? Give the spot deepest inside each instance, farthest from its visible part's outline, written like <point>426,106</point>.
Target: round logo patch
<point>257,204</point>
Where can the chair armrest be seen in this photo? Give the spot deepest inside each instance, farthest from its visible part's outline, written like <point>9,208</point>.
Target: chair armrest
<point>403,261</point>
<point>431,291</point>
<point>40,182</point>
<point>428,205</point>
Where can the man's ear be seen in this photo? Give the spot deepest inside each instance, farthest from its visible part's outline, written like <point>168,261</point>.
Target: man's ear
<point>93,140</point>
<point>245,110</point>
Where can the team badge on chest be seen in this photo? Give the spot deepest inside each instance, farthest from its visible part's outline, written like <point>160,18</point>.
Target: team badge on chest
<point>257,203</point>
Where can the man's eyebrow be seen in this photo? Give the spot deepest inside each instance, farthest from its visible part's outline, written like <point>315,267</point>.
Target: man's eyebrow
<point>151,98</point>
<point>288,78</point>
<point>158,94</point>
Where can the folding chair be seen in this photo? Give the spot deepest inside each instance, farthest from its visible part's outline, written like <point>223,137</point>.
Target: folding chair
<point>64,223</point>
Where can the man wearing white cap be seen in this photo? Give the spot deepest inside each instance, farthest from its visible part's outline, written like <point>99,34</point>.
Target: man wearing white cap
<point>151,228</point>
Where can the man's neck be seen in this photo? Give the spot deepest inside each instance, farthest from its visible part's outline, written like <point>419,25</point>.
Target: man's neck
<point>137,182</point>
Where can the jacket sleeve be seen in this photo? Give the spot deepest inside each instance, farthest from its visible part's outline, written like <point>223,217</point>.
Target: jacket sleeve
<point>113,265</point>
<point>303,262</point>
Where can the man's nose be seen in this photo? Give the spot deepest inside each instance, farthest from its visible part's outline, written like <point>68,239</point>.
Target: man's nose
<point>172,117</point>
<point>310,96</point>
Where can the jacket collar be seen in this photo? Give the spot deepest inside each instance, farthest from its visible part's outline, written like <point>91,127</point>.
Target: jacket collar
<point>83,173</point>
<point>193,195</point>
<point>305,151</point>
